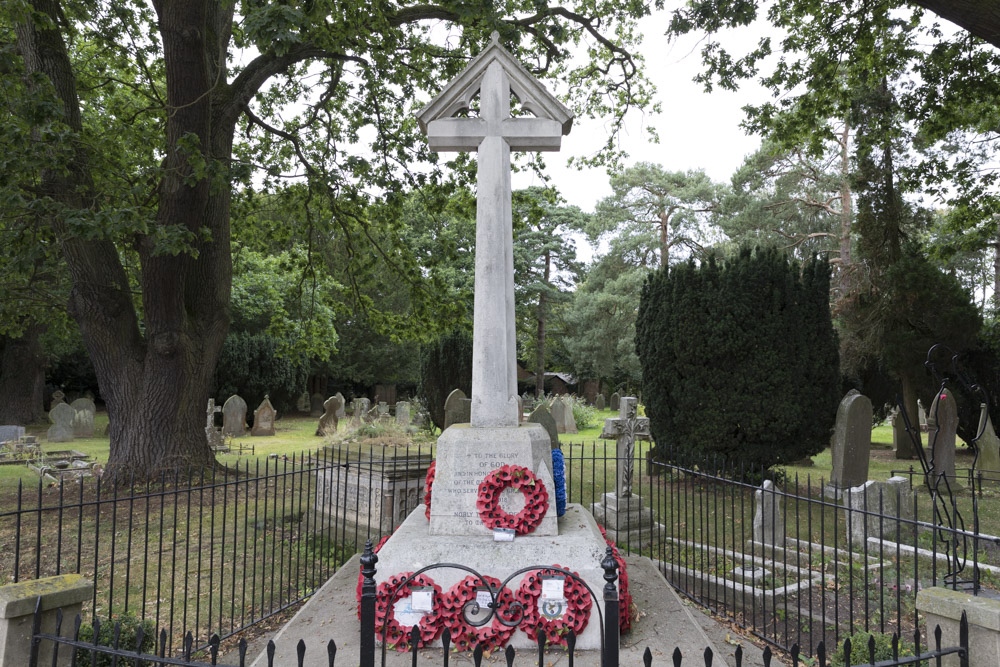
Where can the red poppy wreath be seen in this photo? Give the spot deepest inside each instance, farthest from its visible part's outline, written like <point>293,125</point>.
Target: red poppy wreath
<point>556,617</point>
<point>536,499</point>
<point>389,629</point>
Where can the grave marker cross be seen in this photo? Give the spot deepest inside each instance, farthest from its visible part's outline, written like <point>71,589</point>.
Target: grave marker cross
<point>626,429</point>
<point>494,74</point>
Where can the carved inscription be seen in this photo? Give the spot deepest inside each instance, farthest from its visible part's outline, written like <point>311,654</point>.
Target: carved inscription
<point>465,485</point>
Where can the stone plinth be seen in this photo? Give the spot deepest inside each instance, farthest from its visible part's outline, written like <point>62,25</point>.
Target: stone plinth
<point>17,608</point>
<point>944,607</point>
<point>374,494</point>
<point>626,520</point>
<point>578,547</point>
<point>465,455</point>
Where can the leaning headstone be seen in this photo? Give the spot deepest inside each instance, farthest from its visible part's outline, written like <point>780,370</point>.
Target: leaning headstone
<point>852,441</point>
<point>316,405</point>
<point>942,422</point>
<point>61,417</point>
<point>880,510</point>
<point>328,422</point>
<point>403,413</point>
<point>569,421</point>
<point>263,418</point>
<point>615,399</point>
<point>342,410</point>
<point>768,519</point>
<point>11,433</point>
<point>234,416</point>
<point>988,444</point>
<point>559,414</point>
<point>599,402</point>
<point>457,408</point>
<point>541,415</point>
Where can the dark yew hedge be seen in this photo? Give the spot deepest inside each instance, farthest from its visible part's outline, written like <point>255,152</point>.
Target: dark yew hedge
<point>445,365</point>
<point>739,358</point>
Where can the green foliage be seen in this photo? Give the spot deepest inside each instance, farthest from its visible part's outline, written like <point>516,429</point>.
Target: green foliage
<point>739,358</point>
<point>860,654</point>
<point>445,365</point>
<point>250,366</point>
<point>130,624</point>
<point>584,415</point>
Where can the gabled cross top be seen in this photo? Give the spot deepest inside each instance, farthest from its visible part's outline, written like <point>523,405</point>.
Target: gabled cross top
<point>494,74</point>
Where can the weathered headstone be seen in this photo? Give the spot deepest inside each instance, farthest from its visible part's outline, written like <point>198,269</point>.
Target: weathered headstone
<point>899,434</point>
<point>942,422</point>
<point>213,434</point>
<point>599,402</point>
<point>622,512</point>
<point>541,415</point>
<point>457,408</point>
<point>988,444</point>
<point>61,417</point>
<point>302,404</point>
<point>57,397</point>
<point>83,420</point>
<point>558,410</point>
<point>342,410</point>
<point>234,416</point>
<point>363,407</point>
<point>403,413</point>
<point>615,399</point>
<point>852,441</point>
<point>316,405</point>
<point>569,421</point>
<point>11,433</point>
<point>768,519</point>
<point>383,410</point>
<point>263,418</point>
<point>921,415</point>
<point>328,422</point>
<point>875,509</point>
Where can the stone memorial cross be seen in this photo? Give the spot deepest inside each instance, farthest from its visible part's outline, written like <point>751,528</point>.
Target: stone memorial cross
<point>626,429</point>
<point>494,74</point>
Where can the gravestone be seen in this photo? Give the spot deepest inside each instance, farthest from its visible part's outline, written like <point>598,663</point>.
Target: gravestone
<point>382,411</point>
<point>621,512</point>
<point>988,444</point>
<point>879,509</point>
<point>520,410</point>
<point>569,421</point>
<point>234,416</point>
<point>83,420</point>
<point>316,405</point>
<point>403,413</point>
<point>263,418</point>
<point>541,415</point>
<point>558,411</point>
<point>329,421</point>
<point>942,424</point>
<point>302,404</point>
<point>362,408</point>
<point>61,417</point>
<point>615,400</point>
<point>852,441</point>
<point>342,410</point>
<point>921,415</point>
<point>599,402</point>
<point>768,519</point>
<point>457,408</point>
<point>900,437</point>
<point>57,397</point>
<point>11,433</point>
<point>213,435</point>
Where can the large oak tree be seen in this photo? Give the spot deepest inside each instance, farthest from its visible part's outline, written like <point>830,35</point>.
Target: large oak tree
<point>140,200</point>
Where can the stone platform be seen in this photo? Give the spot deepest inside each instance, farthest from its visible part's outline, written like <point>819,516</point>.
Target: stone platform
<point>664,621</point>
<point>626,520</point>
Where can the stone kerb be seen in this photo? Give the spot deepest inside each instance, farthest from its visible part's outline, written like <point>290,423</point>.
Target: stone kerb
<point>17,607</point>
<point>944,607</point>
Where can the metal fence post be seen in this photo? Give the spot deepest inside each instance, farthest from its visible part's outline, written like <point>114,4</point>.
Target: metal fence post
<point>368,561</point>
<point>611,610</point>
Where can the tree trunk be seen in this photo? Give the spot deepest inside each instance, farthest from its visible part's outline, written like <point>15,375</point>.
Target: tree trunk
<point>540,339</point>
<point>980,18</point>
<point>846,214</point>
<point>664,239</point>
<point>905,449</point>
<point>996,269</point>
<point>154,378</point>
<point>22,377</point>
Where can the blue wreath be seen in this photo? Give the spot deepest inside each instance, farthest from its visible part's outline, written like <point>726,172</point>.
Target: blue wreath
<point>559,479</point>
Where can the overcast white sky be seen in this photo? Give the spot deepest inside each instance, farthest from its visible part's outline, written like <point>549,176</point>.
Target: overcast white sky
<point>696,129</point>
